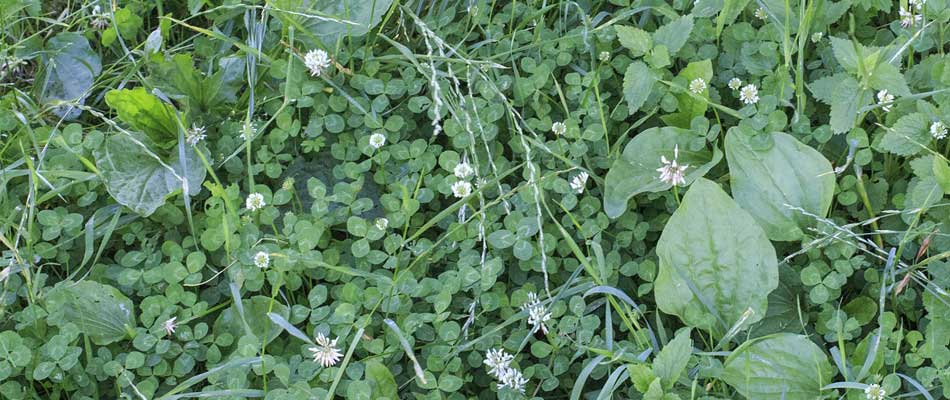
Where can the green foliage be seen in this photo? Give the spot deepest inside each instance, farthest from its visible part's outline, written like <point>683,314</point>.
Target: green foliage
<point>778,366</point>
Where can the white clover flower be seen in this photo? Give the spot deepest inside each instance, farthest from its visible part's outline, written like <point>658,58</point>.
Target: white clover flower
<point>816,37</point>
<point>497,361</point>
<point>735,83</point>
<point>579,182</point>
<point>604,56</point>
<point>938,130</point>
<point>170,326</point>
<point>195,135</point>
<point>918,4</point>
<point>262,259</point>
<point>100,20</point>
<point>461,189</point>
<point>908,18</point>
<point>537,313</point>
<point>381,223</point>
<point>326,351</point>
<point>255,201</point>
<point>749,94</point>
<point>760,14</point>
<point>883,97</point>
<point>316,61</point>
<point>512,379</point>
<point>559,128</point>
<point>463,170</point>
<point>671,172</point>
<point>874,392</point>
<point>697,85</point>
<point>377,140</point>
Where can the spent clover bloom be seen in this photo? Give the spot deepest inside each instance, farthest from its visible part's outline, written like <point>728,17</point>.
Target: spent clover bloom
<point>377,140</point>
<point>883,97</point>
<point>559,128</point>
<point>497,361</point>
<point>326,351</point>
<point>262,259</point>
<point>381,223</point>
<point>579,182</point>
<point>461,189</point>
<point>316,61</point>
<point>918,4</point>
<point>672,172</point>
<point>874,392</point>
<point>816,37</point>
<point>735,83</point>
<point>100,20</point>
<point>908,18</point>
<point>169,326</point>
<point>938,130</point>
<point>255,201</point>
<point>537,313</point>
<point>195,135</point>
<point>463,170</point>
<point>697,85</point>
<point>749,94</point>
<point>512,379</point>
<point>760,14</point>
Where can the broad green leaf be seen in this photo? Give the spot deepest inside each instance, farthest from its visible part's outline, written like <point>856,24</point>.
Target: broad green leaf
<point>908,136</point>
<point>689,107</point>
<point>941,172</point>
<point>201,94</point>
<point>844,51</point>
<point>674,34</point>
<point>824,88</point>
<point>146,113</point>
<point>635,171</point>
<point>384,384</point>
<point>71,70</point>
<point>671,361</point>
<point>846,101</point>
<point>330,20</point>
<point>715,261</point>
<point>789,173</point>
<point>922,193</point>
<point>100,311</point>
<point>635,39</point>
<point>638,82</point>
<point>139,180</point>
<point>730,11</point>
<point>780,366</point>
<point>889,77</point>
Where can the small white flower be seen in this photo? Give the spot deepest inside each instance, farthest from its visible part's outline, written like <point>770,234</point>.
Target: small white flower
<point>512,379</point>
<point>697,85</point>
<point>671,172</point>
<point>579,182</point>
<point>497,361</point>
<point>255,201</point>
<point>938,130</point>
<point>537,313</point>
<point>195,135</point>
<point>377,140</point>
<point>908,18</point>
<point>381,223</point>
<point>874,392</point>
<point>461,189</point>
<point>749,94</point>
<point>558,128</point>
<point>918,4</point>
<point>100,20</point>
<point>604,56</point>
<point>735,83</point>
<point>316,61</point>
<point>883,97</point>
<point>463,170</point>
<point>760,14</point>
<point>326,352</point>
<point>262,259</point>
<point>170,326</point>
<point>816,37</point>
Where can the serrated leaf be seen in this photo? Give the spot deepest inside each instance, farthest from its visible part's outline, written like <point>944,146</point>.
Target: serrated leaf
<point>638,82</point>
<point>844,52</point>
<point>781,366</point>
<point>715,261</point>
<point>848,99</point>
<point>635,39</point>
<point>635,171</point>
<point>908,136</point>
<point>71,69</point>
<point>100,311</point>
<point>824,88</point>
<point>889,77</point>
<point>765,181</point>
<point>941,172</point>
<point>674,34</point>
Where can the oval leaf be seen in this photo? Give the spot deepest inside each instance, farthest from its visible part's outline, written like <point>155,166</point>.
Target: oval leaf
<point>100,311</point>
<point>787,173</point>
<point>635,171</point>
<point>715,261</point>
<point>72,68</point>
<point>784,365</point>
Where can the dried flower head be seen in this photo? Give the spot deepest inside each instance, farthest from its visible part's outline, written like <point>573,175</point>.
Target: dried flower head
<point>100,19</point>
<point>326,351</point>
<point>195,135</point>
<point>538,314</point>
<point>749,94</point>
<point>377,140</point>
<point>255,201</point>
<point>262,259</point>
<point>883,97</point>
<point>461,189</point>
<point>816,37</point>
<point>697,86</point>
<point>672,172</point>
<point>908,18</point>
<point>316,61</point>
<point>579,182</point>
<point>512,379</point>
<point>170,326</point>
